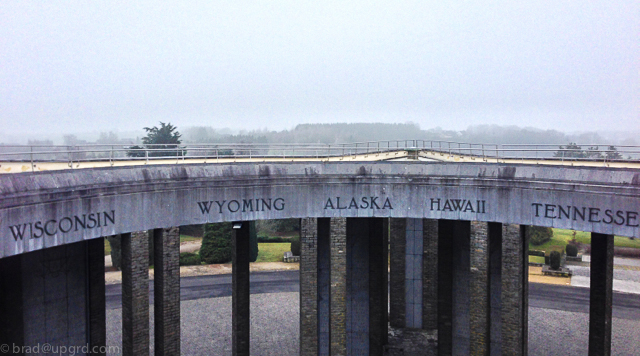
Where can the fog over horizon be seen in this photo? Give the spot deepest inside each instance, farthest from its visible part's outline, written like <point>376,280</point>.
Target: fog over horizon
<point>89,67</point>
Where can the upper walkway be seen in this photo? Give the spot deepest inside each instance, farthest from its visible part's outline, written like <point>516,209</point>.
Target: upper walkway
<point>34,158</point>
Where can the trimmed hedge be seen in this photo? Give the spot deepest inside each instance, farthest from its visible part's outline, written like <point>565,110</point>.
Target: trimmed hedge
<point>572,250</point>
<point>536,253</point>
<point>189,259</point>
<point>540,235</point>
<point>555,258</point>
<point>116,250</point>
<point>267,239</point>
<point>253,242</point>
<point>295,246</point>
<point>618,251</point>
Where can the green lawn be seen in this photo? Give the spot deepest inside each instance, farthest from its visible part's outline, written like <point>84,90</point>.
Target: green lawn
<point>562,237</point>
<point>273,251</point>
<point>536,259</point>
<point>187,238</point>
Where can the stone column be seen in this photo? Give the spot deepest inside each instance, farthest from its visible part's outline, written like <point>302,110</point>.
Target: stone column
<point>135,294</point>
<point>495,287</point>
<point>240,320</point>
<point>601,294</point>
<point>96,295</point>
<point>515,289</point>
<point>461,285</point>
<point>12,328</point>
<point>378,282</point>
<point>166,301</point>
<point>324,286</point>
<point>413,274</point>
<point>397,237</point>
<point>480,290</point>
<point>338,333</point>
<point>430,274</point>
<point>358,291</point>
<point>308,287</point>
<point>445,286</point>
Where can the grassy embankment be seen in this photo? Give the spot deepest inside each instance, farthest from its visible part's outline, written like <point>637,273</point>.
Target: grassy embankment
<point>561,238</point>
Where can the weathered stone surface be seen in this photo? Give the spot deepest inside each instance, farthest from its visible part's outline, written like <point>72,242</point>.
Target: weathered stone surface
<point>55,208</point>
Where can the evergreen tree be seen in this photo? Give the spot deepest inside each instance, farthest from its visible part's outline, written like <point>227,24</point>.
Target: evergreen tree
<point>216,243</point>
<point>572,150</point>
<point>157,140</point>
<point>612,153</point>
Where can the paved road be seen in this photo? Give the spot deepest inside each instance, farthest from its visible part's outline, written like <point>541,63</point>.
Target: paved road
<point>547,296</point>
<point>576,299</point>
<point>217,286</point>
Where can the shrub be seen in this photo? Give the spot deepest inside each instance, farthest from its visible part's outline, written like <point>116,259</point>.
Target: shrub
<point>262,237</point>
<point>189,259</point>
<point>540,235</point>
<point>572,250</point>
<point>295,246</point>
<point>554,260</point>
<point>216,243</point>
<point>253,242</point>
<point>116,250</point>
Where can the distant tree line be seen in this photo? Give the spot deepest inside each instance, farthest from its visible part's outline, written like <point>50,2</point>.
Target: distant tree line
<point>572,150</point>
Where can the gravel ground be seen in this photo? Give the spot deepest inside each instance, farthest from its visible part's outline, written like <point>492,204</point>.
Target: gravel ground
<point>206,328</point>
<point>556,332</point>
<point>206,325</point>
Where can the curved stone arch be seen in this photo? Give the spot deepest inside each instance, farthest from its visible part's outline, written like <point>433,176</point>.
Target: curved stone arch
<point>42,210</point>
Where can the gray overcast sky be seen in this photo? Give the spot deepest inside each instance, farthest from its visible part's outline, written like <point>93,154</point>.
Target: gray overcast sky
<point>104,65</point>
